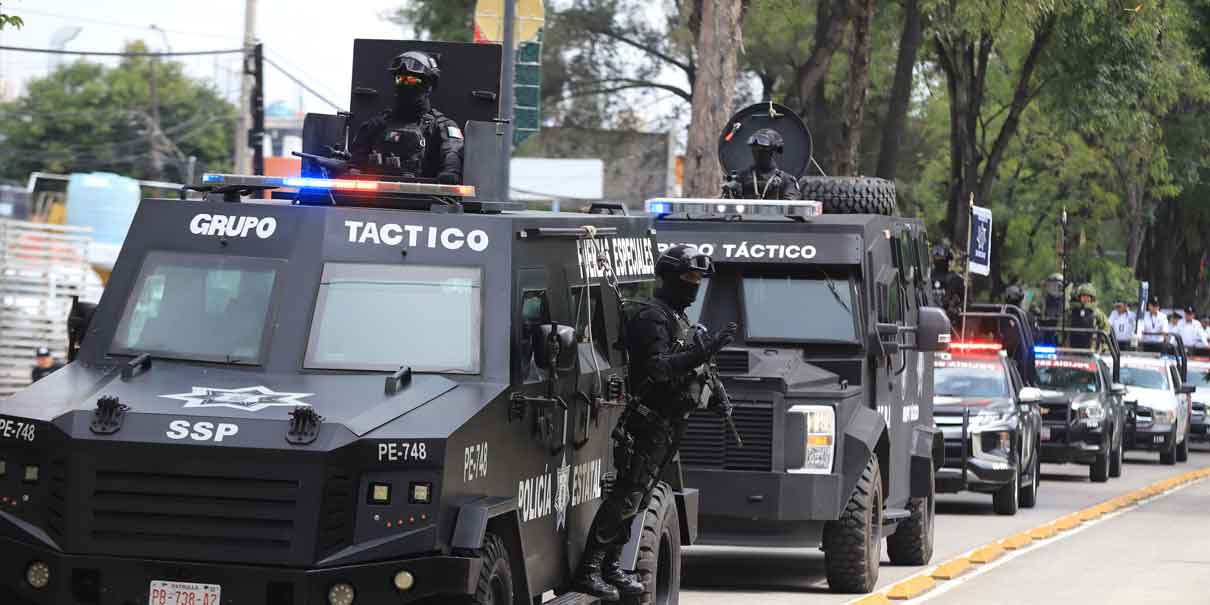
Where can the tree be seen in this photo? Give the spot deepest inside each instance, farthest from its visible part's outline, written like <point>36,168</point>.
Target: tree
<point>713,91</point>
<point>855,93</point>
<point>445,20</point>
<point>901,91</point>
<point>85,116</point>
<point>8,19</point>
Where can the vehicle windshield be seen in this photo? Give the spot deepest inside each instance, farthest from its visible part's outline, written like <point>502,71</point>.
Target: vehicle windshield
<point>799,310</point>
<point>1074,377</point>
<point>953,381</point>
<point>1198,377</point>
<point>1145,378</point>
<point>381,317</point>
<point>198,306</point>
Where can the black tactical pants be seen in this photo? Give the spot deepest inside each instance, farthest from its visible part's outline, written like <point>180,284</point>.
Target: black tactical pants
<point>639,468</point>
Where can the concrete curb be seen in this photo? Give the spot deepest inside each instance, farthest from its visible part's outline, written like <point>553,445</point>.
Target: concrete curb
<point>918,584</point>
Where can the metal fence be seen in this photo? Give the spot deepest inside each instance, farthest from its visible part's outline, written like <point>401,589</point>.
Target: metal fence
<point>42,267</point>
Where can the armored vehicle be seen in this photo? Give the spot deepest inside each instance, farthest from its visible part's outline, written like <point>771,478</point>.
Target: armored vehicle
<point>831,373</point>
<point>1083,415</point>
<point>991,423</point>
<point>382,392</point>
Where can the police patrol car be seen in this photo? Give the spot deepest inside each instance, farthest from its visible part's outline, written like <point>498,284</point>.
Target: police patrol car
<point>379,392</point>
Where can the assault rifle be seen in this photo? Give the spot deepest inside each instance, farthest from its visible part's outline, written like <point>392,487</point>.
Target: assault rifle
<point>719,399</point>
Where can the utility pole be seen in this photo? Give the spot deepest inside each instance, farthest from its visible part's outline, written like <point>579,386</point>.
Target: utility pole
<point>243,160</point>
<point>256,136</point>
<point>153,129</point>
<point>507,77</point>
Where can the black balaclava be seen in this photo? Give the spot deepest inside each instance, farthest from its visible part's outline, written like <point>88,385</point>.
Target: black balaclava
<point>411,102</point>
<point>678,293</point>
<point>762,158</point>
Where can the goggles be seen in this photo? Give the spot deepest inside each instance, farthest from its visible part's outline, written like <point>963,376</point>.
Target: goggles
<point>700,263</point>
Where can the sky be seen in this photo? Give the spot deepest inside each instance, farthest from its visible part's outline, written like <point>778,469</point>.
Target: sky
<point>313,39</point>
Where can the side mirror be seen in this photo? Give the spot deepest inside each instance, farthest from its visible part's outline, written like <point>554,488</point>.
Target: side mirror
<point>1030,395</point>
<point>554,347</point>
<point>1117,388</point>
<point>887,338</point>
<point>932,329</point>
<point>1186,389</point>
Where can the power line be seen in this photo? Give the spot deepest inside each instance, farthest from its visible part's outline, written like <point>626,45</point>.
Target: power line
<point>55,51</point>
<point>133,26</point>
<point>300,83</point>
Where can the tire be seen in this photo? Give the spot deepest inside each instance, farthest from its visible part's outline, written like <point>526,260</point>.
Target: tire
<point>850,195</point>
<point>495,584</point>
<point>912,542</point>
<point>1098,472</point>
<point>852,544</point>
<point>1115,460</point>
<point>1006,499</point>
<point>659,564</point>
<point>1028,498</point>
<point>1182,450</point>
<point>1169,457</point>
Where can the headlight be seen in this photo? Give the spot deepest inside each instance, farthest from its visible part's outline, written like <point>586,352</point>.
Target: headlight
<point>819,424</point>
<point>1090,411</point>
<point>990,417</point>
<point>1163,416</point>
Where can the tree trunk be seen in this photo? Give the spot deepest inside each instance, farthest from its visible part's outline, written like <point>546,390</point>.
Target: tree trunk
<point>717,65</point>
<point>855,96</point>
<point>901,91</point>
<point>831,21</point>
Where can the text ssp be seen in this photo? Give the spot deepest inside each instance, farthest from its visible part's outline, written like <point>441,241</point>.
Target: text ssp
<point>413,236</point>
<point>217,225</point>
<point>201,431</point>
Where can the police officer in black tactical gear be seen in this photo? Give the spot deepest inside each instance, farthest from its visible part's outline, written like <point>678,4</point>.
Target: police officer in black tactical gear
<point>948,287</point>
<point>666,353</point>
<point>411,139</point>
<point>763,180</point>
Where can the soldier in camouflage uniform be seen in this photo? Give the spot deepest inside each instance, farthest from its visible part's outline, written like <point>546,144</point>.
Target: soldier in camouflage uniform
<point>1086,314</point>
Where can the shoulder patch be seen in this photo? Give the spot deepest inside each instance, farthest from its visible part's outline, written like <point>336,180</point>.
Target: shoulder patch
<point>454,132</point>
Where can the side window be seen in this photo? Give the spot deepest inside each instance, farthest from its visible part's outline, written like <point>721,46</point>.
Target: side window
<point>1176,377</point>
<point>591,331</point>
<point>891,295</point>
<point>535,310</point>
<point>1014,378</point>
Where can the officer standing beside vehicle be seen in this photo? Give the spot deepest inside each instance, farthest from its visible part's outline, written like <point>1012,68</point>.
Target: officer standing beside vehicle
<point>411,139</point>
<point>1122,319</point>
<point>764,180</point>
<point>1191,330</point>
<point>1153,325</point>
<point>664,358</point>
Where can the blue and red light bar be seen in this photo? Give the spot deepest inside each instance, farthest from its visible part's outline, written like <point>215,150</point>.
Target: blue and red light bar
<point>297,182</point>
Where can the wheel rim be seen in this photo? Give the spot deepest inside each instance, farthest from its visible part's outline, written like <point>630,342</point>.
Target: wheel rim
<point>663,570</point>
<point>874,534</point>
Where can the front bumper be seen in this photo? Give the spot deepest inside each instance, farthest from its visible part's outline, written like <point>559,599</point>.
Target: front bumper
<point>973,459</point>
<point>754,508</point>
<point>99,580</point>
<point>1199,427</point>
<point>1073,443</point>
<point>974,475</point>
<point>1151,438</point>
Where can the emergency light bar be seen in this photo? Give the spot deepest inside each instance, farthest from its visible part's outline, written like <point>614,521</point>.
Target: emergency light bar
<point>729,207</point>
<point>1045,350</point>
<point>248,180</point>
<point>976,346</point>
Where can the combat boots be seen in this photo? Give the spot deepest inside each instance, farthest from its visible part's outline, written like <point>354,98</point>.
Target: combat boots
<point>626,583</point>
<point>589,579</point>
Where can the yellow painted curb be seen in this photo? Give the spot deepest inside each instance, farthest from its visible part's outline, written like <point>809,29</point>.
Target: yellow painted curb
<point>987,554</point>
<point>1090,514</point>
<point>872,599</point>
<point>1016,542</point>
<point>1043,532</point>
<point>911,588</point>
<point>952,569</point>
<point>1068,522</point>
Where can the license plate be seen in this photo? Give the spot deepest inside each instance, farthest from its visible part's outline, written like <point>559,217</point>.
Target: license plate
<point>1157,439</point>
<point>1045,433</point>
<point>183,593</point>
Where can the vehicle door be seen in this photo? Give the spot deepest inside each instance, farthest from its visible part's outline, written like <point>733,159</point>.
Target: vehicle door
<point>1029,415</point>
<point>1115,417</point>
<point>1184,407</point>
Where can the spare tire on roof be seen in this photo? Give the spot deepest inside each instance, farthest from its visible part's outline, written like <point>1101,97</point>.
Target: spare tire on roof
<point>850,195</point>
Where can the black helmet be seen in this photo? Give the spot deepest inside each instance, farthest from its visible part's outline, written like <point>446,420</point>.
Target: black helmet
<point>767,137</point>
<point>942,252</point>
<point>672,266</point>
<point>683,259</point>
<point>1014,295</point>
<point>415,68</point>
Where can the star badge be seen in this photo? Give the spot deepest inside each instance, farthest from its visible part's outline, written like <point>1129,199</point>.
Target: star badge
<point>250,399</point>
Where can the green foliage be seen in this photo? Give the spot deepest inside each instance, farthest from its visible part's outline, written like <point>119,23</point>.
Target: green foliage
<point>7,20</point>
<point>86,116</point>
<point>445,20</point>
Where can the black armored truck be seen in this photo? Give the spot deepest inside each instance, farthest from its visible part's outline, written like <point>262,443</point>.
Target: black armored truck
<point>831,373</point>
<point>367,391</point>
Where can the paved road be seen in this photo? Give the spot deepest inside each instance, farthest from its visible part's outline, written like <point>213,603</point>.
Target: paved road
<point>1155,554</point>
<point>721,575</point>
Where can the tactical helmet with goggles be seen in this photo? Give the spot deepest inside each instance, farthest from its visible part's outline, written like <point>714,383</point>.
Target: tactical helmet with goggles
<point>1014,295</point>
<point>415,68</point>
<point>679,260</point>
<point>769,139</point>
